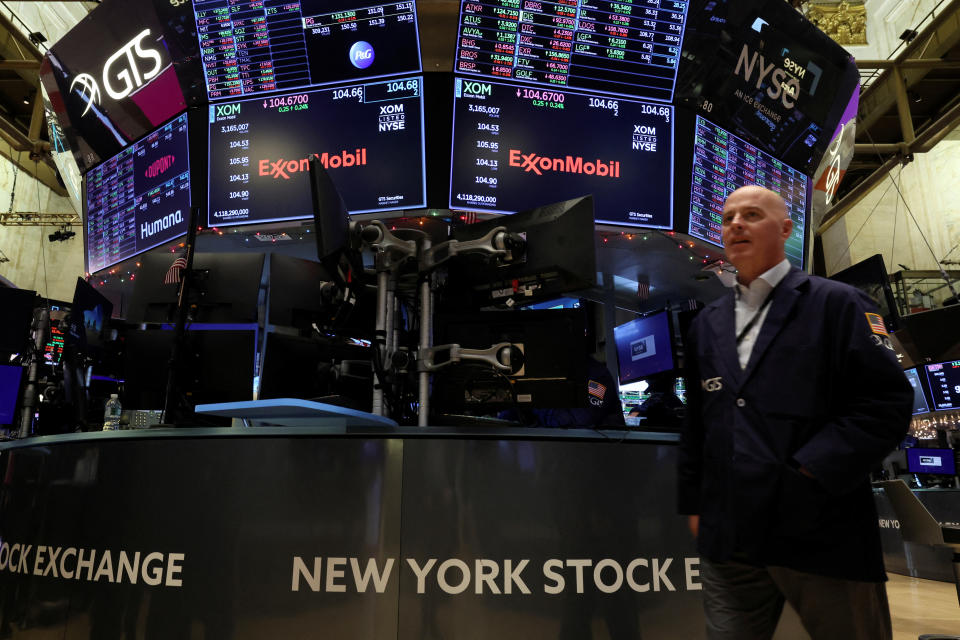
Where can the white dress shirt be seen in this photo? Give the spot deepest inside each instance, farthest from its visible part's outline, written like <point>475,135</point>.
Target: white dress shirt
<point>749,299</point>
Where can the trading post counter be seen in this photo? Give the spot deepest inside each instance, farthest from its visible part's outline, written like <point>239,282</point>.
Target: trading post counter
<point>369,533</point>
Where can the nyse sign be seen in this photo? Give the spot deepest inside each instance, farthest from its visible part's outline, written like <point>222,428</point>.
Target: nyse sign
<point>124,72</point>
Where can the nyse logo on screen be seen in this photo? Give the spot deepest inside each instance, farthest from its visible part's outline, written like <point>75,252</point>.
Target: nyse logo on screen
<point>643,348</point>
<point>644,138</point>
<point>392,118</point>
<point>123,72</point>
<point>779,87</point>
<point>931,461</point>
<point>361,54</point>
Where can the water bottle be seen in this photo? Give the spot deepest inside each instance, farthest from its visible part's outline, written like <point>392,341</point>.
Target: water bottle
<point>111,414</point>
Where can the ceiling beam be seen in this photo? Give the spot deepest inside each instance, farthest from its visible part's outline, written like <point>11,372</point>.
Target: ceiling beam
<point>34,219</point>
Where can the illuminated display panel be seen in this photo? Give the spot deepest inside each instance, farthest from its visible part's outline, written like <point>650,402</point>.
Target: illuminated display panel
<point>368,136</point>
<point>138,199</point>
<point>722,163</point>
<point>621,47</point>
<point>944,379</point>
<point>262,46</point>
<point>920,404</point>
<point>516,148</point>
<point>53,349</point>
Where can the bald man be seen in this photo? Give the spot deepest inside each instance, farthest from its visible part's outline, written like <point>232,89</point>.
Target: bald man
<point>795,395</point>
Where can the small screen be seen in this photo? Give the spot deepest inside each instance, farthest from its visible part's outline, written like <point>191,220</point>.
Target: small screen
<point>722,163</point>
<point>91,313</point>
<point>936,461</point>
<point>516,148</point>
<point>644,347</point>
<point>622,47</point>
<point>368,136</point>
<point>252,48</point>
<point>944,379</point>
<point>138,199</point>
<point>920,404</point>
<point>53,349</point>
<point>9,392</point>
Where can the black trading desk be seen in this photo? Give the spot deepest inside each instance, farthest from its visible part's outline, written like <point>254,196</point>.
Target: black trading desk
<point>308,532</point>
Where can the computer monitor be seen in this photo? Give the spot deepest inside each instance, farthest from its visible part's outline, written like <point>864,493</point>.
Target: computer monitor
<point>944,381</point>
<point>226,288</point>
<point>938,462</point>
<point>301,292</point>
<point>90,315</point>
<point>554,371</point>
<point>9,392</point>
<point>218,365</point>
<point>560,257</point>
<point>645,347</point>
<point>302,367</point>
<point>15,319</point>
<point>870,276</point>
<point>920,403</point>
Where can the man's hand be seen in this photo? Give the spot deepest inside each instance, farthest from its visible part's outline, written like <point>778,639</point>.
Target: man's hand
<point>694,523</point>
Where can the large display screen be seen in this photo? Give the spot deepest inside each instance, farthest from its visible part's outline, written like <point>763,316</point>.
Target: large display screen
<point>516,148</point>
<point>722,163</point>
<point>760,69</point>
<point>644,347</point>
<point>259,46</point>
<point>123,71</point>
<point>920,404</point>
<point>138,199</point>
<point>368,136</point>
<point>9,392</point>
<point>623,47</point>
<point>944,379</point>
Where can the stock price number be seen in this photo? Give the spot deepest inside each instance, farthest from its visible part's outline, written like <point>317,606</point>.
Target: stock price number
<point>606,103</point>
<point>487,180</point>
<point>355,93</point>
<point>653,110</point>
<point>243,195</point>
<point>286,101</point>
<point>410,87</point>
<point>242,161</point>
<point>240,177</point>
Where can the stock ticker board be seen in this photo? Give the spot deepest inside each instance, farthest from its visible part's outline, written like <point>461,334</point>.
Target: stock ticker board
<point>263,46</point>
<point>139,198</point>
<point>621,47</point>
<point>517,147</point>
<point>944,379</point>
<point>723,162</point>
<point>368,136</point>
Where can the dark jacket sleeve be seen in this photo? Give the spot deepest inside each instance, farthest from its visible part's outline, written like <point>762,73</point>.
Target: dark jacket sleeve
<point>870,413</point>
<point>690,458</point>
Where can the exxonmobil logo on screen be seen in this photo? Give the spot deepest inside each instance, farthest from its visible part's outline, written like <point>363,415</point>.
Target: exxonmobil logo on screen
<point>159,166</point>
<point>282,168</point>
<point>568,164</point>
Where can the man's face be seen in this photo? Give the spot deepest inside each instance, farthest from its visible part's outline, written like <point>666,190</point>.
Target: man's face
<point>755,229</point>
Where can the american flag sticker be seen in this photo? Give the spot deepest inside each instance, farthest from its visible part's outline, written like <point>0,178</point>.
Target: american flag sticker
<point>596,389</point>
<point>876,324</point>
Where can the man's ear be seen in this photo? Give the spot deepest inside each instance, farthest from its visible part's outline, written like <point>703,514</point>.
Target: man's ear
<point>787,228</point>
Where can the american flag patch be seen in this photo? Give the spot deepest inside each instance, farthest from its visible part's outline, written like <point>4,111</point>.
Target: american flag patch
<point>596,389</point>
<point>876,324</point>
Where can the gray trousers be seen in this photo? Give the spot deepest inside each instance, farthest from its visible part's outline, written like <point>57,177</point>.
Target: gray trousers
<point>744,602</point>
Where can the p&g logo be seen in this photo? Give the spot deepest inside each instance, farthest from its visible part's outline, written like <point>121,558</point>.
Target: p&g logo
<point>361,54</point>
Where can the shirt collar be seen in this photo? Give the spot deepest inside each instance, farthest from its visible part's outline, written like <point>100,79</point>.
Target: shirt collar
<point>771,278</point>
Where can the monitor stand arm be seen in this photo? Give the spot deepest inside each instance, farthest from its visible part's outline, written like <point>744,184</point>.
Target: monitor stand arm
<point>498,243</point>
<point>391,252</point>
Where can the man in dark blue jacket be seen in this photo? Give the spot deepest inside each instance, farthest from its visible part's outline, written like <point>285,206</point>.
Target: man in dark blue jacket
<point>795,395</point>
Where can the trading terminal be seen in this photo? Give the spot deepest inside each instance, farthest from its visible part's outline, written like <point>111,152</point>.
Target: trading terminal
<point>379,373</point>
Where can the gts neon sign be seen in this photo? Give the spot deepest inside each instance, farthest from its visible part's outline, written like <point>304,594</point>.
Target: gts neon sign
<point>119,81</point>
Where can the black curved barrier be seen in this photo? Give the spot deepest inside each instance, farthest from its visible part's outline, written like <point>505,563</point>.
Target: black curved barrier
<point>255,533</point>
